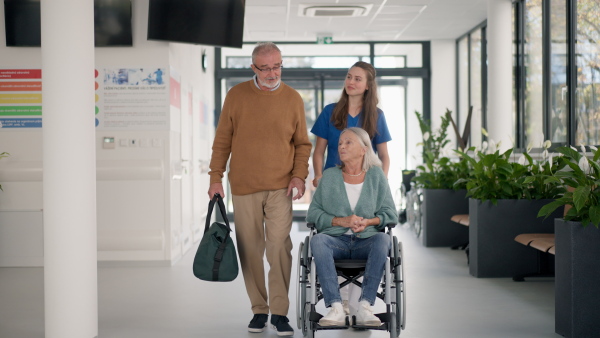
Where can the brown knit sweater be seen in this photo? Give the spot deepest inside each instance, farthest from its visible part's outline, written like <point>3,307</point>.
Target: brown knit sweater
<point>265,133</point>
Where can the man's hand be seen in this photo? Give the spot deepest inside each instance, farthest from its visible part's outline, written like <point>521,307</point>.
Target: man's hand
<point>215,188</point>
<point>299,185</point>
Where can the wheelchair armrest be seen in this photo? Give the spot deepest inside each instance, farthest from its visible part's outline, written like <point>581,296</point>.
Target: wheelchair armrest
<point>389,225</point>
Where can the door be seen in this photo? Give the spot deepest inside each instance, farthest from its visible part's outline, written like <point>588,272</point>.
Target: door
<point>398,97</point>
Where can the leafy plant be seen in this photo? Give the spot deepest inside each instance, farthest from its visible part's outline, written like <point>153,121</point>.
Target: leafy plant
<point>495,176</point>
<point>583,176</point>
<point>433,142</point>
<point>2,155</point>
<point>438,172</point>
<point>442,174</point>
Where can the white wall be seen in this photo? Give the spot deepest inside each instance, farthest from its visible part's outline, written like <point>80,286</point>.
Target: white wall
<point>151,197</point>
<point>443,83</point>
<point>193,135</point>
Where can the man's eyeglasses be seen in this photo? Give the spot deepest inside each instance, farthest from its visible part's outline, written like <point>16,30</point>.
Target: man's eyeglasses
<point>268,70</point>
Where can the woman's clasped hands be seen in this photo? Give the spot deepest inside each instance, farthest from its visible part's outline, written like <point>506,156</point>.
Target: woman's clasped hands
<point>355,223</point>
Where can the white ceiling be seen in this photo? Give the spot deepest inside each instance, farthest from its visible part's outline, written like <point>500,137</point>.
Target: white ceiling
<point>387,20</point>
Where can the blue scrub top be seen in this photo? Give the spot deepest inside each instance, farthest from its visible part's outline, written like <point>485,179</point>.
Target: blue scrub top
<point>324,128</point>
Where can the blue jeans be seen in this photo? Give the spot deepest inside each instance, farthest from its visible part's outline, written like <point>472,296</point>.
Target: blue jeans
<point>326,249</point>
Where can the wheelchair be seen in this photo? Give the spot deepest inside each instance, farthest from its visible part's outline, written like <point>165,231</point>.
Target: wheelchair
<point>392,289</point>
<point>402,195</point>
<point>414,200</point>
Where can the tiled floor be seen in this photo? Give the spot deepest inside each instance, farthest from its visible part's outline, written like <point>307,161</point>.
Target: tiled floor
<point>160,302</point>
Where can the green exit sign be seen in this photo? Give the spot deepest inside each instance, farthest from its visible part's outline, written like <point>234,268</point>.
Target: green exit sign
<point>324,40</point>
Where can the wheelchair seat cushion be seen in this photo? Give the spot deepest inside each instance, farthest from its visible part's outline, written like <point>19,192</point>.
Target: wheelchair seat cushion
<point>350,263</point>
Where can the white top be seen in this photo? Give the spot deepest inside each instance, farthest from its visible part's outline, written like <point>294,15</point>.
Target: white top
<point>353,192</point>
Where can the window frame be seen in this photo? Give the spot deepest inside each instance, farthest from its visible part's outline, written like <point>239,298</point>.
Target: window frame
<point>460,112</point>
<point>571,71</point>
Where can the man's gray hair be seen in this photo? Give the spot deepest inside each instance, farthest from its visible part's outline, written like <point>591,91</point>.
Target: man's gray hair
<point>264,48</point>
<point>371,159</point>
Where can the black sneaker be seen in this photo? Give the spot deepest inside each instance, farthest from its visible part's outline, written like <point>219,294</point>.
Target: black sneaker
<point>280,323</point>
<point>258,323</point>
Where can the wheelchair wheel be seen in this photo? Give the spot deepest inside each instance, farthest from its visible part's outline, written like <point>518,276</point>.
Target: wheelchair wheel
<point>311,287</point>
<point>308,330</point>
<point>415,211</point>
<point>398,196</point>
<point>409,209</point>
<point>301,288</point>
<point>393,327</point>
<point>400,290</point>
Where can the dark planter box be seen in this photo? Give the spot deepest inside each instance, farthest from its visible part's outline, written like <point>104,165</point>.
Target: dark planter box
<point>437,208</point>
<point>493,251</point>
<point>577,276</point>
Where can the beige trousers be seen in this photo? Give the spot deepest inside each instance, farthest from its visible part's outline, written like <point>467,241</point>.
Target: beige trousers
<point>263,221</point>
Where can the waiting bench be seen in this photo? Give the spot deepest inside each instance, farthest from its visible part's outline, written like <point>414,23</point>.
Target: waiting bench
<point>541,242</point>
<point>461,219</point>
<point>464,220</point>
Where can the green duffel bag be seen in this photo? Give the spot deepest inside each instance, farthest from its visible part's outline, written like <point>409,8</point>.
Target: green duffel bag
<point>216,258</point>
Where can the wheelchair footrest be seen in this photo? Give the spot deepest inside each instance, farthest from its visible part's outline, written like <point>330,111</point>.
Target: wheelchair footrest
<point>315,317</point>
<point>385,319</point>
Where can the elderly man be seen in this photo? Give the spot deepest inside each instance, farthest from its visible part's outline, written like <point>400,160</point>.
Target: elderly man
<point>263,127</point>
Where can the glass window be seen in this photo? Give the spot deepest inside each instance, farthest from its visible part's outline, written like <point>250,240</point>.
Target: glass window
<point>558,76</point>
<point>515,61</point>
<point>533,114</point>
<point>412,135</point>
<point>399,96</point>
<point>303,55</point>
<point>390,61</point>
<point>587,95</point>
<point>475,73</point>
<point>394,55</point>
<point>396,105</point>
<point>463,83</point>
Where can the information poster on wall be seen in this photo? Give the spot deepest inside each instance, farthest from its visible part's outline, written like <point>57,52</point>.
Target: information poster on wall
<point>20,98</point>
<point>132,99</point>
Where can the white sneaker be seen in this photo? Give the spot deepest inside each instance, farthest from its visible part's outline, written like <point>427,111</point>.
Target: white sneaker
<point>365,315</point>
<point>346,307</point>
<point>335,317</point>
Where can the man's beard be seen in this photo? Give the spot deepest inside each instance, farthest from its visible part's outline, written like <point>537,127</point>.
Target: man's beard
<point>267,85</point>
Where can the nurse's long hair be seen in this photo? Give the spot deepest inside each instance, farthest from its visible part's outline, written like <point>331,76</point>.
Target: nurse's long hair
<point>369,116</point>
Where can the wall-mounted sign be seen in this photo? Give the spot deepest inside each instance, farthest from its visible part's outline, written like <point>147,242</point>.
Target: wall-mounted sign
<point>132,98</point>
<point>20,98</point>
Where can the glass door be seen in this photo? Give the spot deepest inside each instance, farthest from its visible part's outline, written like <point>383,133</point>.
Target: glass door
<point>316,93</point>
<point>399,98</point>
<point>395,103</point>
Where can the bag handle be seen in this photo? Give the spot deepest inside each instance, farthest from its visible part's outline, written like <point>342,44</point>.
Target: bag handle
<point>221,249</point>
<point>219,200</point>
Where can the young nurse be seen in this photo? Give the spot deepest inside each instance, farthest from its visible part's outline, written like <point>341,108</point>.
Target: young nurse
<point>357,107</point>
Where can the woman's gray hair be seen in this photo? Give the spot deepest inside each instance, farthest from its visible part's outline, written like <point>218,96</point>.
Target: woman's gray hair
<point>264,48</point>
<point>371,159</point>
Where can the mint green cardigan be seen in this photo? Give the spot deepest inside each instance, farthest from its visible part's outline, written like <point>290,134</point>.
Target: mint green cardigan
<point>330,200</point>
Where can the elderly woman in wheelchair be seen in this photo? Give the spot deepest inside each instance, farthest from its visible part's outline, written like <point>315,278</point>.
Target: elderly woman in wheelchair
<point>350,209</point>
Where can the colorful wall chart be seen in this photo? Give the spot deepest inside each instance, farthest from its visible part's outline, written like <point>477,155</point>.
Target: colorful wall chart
<point>20,98</point>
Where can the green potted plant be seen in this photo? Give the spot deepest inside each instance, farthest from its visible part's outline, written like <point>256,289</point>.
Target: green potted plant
<point>442,198</point>
<point>506,194</point>
<point>577,243</point>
